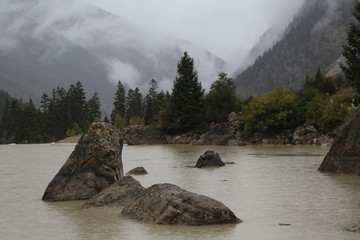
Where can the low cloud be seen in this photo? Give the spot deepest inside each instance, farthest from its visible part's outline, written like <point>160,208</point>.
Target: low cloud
<point>149,37</point>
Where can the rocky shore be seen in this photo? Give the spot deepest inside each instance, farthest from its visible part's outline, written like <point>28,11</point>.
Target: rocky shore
<point>227,134</point>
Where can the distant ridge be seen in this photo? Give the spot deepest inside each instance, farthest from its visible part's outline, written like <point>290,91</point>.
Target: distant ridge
<point>313,39</point>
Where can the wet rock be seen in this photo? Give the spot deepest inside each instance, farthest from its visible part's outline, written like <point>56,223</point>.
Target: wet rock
<point>169,204</point>
<point>344,154</point>
<point>138,171</point>
<point>228,163</point>
<point>144,135</point>
<point>284,224</point>
<point>353,228</point>
<point>119,194</point>
<point>306,136</point>
<point>220,134</point>
<point>233,116</point>
<point>94,165</point>
<point>209,159</point>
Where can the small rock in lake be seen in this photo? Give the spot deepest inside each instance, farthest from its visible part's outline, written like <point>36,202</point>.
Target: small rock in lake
<point>229,163</point>
<point>138,171</point>
<point>353,228</point>
<point>210,159</point>
<point>284,224</point>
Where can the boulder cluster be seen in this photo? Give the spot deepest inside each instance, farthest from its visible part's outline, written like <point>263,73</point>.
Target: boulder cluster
<point>94,171</point>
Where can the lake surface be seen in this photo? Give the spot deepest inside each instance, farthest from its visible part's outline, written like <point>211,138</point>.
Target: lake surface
<point>266,186</point>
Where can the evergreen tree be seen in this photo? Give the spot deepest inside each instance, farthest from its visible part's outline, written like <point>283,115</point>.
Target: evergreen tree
<point>151,106</point>
<point>77,106</point>
<point>119,103</point>
<point>94,108</point>
<point>134,104</point>
<point>351,50</point>
<point>324,84</point>
<point>222,99</point>
<point>29,129</point>
<point>57,114</point>
<point>186,103</point>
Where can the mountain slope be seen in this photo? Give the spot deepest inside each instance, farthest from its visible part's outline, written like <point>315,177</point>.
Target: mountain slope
<point>52,43</point>
<point>314,39</point>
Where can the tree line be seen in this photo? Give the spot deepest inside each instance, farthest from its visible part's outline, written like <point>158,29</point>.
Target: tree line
<point>323,102</point>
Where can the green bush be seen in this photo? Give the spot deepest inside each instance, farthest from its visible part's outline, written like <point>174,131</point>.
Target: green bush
<point>271,114</point>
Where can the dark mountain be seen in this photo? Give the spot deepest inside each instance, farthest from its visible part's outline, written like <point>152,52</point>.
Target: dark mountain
<point>45,44</point>
<point>314,39</point>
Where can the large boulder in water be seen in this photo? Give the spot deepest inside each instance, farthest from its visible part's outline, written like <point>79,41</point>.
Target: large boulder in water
<point>120,193</point>
<point>209,159</point>
<point>344,154</point>
<point>169,204</point>
<point>94,165</point>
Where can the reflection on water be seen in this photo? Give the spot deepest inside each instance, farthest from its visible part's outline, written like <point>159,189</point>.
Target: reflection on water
<point>266,186</point>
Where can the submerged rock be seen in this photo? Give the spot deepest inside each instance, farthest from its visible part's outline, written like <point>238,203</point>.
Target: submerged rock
<point>169,204</point>
<point>94,165</point>
<point>119,194</point>
<point>210,159</point>
<point>344,154</point>
<point>138,171</point>
<point>353,228</point>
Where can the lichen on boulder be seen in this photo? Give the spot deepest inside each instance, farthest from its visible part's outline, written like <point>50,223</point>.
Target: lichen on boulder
<point>94,165</point>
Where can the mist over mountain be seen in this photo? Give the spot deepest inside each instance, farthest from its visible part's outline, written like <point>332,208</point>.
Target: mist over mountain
<point>51,43</point>
<point>313,39</point>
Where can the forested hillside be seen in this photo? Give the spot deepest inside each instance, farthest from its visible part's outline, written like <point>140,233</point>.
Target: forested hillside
<point>313,40</point>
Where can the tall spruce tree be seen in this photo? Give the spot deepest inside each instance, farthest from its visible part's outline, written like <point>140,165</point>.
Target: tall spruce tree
<point>186,103</point>
<point>222,99</point>
<point>150,101</point>
<point>77,106</point>
<point>94,113</point>
<point>351,50</point>
<point>119,102</point>
<point>134,104</point>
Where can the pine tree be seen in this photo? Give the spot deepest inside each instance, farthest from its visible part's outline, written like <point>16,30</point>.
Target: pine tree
<point>94,112</point>
<point>29,129</point>
<point>186,103</point>
<point>351,50</point>
<point>77,106</point>
<point>119,103</point>
<point>151,106</point>
<point>134,104</point>
<point>222,99</point>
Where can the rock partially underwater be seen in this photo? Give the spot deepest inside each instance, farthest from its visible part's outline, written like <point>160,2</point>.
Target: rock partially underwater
<point>170,204</point>
<point>94,165</point>
<point>209,159</point>
<point>344,154</point>
<point>119,194</point>
<point>137,171</point>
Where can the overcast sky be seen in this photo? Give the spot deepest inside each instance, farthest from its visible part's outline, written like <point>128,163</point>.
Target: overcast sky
<point>225,27</point>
